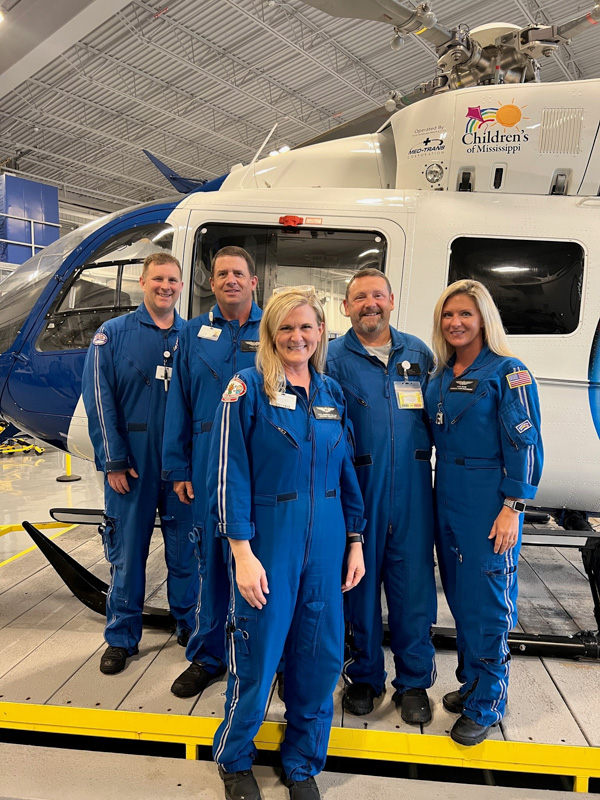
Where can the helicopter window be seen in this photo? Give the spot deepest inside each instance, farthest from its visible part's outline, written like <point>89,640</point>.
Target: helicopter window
<point>323,258</point>
<point>537,285</point>
<point>105,287</point>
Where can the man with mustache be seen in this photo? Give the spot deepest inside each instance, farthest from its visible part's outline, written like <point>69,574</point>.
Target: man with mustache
<point>125,386</point>
<point>382,372</point>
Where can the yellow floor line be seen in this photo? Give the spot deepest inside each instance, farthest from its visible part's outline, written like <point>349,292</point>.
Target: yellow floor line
<point>43,526</point>
<point>581,763</point>
<point>34,547</point>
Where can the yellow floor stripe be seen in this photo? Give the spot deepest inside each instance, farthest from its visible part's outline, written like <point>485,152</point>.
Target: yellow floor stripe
<point>43,526</point>
<point>35,547</point>
<point>581,763</point>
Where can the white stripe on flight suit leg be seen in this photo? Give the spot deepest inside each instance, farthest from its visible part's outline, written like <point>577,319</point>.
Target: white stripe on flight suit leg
<point>98,396</point>
<point>235,695</point>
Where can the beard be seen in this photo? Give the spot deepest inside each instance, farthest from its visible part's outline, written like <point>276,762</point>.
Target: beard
<point>369,324</point>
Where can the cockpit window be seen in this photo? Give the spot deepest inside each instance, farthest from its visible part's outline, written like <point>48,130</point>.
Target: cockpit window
<point>22,289</point>
<point>106,286</point>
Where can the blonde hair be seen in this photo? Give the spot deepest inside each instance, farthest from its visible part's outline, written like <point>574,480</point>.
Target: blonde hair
<point>493,330</point>
<point>268,361</point>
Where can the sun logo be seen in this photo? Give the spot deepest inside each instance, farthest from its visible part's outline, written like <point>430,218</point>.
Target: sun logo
<point>507,116</point>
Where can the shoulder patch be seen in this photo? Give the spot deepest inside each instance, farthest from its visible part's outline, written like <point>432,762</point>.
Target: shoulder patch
<point>524,426</point>
<point>519,378</point>
<point>99,338</point>
<point>235,389</point>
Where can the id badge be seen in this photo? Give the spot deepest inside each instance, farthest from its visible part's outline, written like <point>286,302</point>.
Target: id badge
<point>163,373</point>
<point>326,412</point>
<point>408,394</point>
<point>248,346</point>
<point>285,401</point>
<point>208,332</point>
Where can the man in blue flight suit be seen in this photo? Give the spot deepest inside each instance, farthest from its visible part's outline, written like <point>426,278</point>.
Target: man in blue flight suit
<point>382,373</point>
<point>125,385</point>
<point>212,348</point>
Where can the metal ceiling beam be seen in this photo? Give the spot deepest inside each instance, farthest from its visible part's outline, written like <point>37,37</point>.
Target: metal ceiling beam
<point>81,25</point>
<point>277,104</point>
<point>371,84</point>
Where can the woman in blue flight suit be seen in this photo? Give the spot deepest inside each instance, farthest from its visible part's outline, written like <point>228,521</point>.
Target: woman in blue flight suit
<point>284,490</point>
<point>483,408</point>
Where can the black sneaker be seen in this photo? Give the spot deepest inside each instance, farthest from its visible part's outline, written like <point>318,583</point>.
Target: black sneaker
<point>194,680</point>
<point>302,790</point>
<point>414,706</point>
<point>240,785</point>
<point>358,698</point>
<point>114,659</point>
<point>467,732</point>
<point>183,637</point>
<point>453,702</point>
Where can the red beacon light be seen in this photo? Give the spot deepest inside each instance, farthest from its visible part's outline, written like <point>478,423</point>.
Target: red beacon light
<point>290,221</point>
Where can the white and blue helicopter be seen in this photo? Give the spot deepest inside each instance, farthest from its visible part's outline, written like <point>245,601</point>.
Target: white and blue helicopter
<point>481,172</point>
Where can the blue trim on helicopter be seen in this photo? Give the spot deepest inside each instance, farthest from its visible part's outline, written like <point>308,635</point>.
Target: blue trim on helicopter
<point>594,378</point>
<point>58,374</point>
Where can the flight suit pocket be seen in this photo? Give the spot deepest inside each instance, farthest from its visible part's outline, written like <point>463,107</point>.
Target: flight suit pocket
<point>311,624</point>
<point>498,601</point>
<point>113,548</point>
<point>518,426</point>
<point>243,633</point>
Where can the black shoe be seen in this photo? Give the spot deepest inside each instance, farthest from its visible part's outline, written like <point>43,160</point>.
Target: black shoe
<point>280,685</point>
<point>302,790</point>
<point>453,702</point>
<point>114,659</point>
<point>358,698</point>
<point>414,706</point>
<point>467,732</point>
<point>184,637</point>
<point>194,680</point>
<point>240,785</point>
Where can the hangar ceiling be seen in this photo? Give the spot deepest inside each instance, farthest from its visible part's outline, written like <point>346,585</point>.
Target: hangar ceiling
<point>84,86</point>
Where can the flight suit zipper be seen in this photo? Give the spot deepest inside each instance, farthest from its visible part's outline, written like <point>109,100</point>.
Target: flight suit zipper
<point>466,408</point>
<point>313,439</point>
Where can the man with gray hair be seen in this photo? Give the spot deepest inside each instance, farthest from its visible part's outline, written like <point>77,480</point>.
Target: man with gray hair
<point>382,372</point>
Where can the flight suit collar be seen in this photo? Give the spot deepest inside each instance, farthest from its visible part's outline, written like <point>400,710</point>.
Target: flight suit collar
<point>484,357</point>
<point>143,315</point>
<point>354,344</point>
<point>255,313</point>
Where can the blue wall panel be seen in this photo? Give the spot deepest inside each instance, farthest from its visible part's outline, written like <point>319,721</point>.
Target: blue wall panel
<point>35,201</point>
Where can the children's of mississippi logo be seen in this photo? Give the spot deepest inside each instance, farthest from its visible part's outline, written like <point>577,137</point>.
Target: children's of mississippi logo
<point>486,129</point>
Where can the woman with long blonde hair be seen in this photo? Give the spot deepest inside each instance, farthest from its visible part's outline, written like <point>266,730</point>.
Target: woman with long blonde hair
<point>284,490</point>
<point>483,407</point>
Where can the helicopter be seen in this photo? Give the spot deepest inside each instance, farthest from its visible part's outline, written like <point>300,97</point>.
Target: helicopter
<point>481,172</point>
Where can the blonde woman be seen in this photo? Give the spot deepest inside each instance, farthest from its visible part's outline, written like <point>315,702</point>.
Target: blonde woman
<point>483,408</point>
<point>283,488</point>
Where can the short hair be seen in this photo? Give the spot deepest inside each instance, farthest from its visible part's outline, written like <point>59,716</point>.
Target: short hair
<point>368,272</point>
<point>239,252</point>
<point>268,361</point>
<point>161,257</point>
<point>493,330</point>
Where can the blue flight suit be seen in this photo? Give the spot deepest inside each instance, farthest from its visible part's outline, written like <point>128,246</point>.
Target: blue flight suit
<point>284,479</point>
<point>125,405</point>
<point>201,371</point>
<point>486,430</point>
<point>393,466</point>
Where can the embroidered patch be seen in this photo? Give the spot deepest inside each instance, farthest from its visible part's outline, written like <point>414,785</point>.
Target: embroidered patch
<point>519,378</point>
<point>235,390</point>
<point>100,338</point>
<point>524,426</point>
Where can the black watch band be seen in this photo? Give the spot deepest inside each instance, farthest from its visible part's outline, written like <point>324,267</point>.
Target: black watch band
<point>355,537</point>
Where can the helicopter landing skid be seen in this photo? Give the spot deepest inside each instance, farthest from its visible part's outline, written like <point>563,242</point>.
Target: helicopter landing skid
<point>86,587</point>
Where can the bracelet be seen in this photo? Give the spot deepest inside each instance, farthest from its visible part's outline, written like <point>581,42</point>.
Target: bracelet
<point>353,538</point>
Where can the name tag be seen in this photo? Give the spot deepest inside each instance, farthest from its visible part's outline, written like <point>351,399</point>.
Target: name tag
<point>408,394</point>
<point>163,373</point>
<point>414,369</point>
<point>326,412</point>
<point>463,385</point>
<point>285,401</point>
<point>208,332</point>
<point>249,346</point>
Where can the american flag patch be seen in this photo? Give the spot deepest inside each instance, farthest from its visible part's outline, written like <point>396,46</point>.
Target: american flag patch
<point>524,426</point>
<point>520,378</point>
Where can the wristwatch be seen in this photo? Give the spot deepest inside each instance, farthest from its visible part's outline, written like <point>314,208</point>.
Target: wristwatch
<point>516,505</point>
<point>352,538</point>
